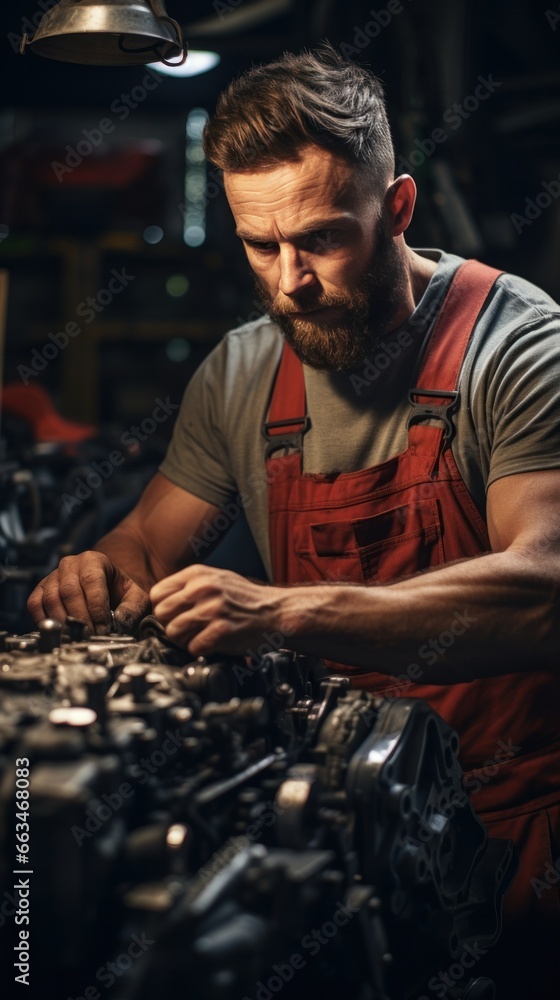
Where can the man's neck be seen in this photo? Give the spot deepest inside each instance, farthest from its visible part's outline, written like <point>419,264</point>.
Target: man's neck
<point>420,271</point>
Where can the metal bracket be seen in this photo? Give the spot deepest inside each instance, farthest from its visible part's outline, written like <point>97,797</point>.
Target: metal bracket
<point>424,411</point>
<point>294,439</point>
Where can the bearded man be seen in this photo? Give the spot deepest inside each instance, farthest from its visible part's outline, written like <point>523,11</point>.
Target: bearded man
<point>392,429</point>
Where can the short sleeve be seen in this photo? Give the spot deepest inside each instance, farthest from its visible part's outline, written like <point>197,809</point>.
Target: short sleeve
<point>197,458</point>
<point>522,406</point>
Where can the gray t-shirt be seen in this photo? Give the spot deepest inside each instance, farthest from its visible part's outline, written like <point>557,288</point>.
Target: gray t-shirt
<point>508,421</point>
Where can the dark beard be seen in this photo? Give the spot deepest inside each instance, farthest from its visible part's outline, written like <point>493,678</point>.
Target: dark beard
<point>370,309</point>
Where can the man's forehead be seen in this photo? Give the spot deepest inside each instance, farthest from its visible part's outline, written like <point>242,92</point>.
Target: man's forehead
<point>318,178</point>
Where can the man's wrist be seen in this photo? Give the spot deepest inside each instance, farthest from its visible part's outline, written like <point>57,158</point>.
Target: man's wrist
<point>287,617</point>
<point>334,621</point>
<point>301,612</point>
<point>127,558</point>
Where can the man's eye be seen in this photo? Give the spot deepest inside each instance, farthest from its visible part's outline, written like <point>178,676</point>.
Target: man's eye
<point>323,239</point>
<point>261,247</point>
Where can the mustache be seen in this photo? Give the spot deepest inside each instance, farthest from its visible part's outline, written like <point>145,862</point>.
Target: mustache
<point>308,305</point>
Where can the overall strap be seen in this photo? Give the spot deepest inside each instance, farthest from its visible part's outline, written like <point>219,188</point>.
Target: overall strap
<point>288,397</point>
<point>439,371</point>
<point>448,343</point>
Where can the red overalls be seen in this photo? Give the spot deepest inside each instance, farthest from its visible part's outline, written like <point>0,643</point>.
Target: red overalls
<point>407,514</point>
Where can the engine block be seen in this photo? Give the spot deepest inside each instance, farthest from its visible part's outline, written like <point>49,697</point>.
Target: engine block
<point>220,830</point>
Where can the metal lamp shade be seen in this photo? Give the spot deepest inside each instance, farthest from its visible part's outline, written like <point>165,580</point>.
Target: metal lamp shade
<point>107,33</point>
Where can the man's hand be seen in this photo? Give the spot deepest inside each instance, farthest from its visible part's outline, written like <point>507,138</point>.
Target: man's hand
<point>210,610</point>
<point>88,586</point>
<point>508,601</point>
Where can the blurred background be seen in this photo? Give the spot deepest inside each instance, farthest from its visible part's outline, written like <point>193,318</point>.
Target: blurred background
<point>102,175</point>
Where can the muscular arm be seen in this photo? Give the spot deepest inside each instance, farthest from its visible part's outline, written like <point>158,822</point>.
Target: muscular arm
<point>150,543</point>
<point>153,540</point>
<point>491,614</point>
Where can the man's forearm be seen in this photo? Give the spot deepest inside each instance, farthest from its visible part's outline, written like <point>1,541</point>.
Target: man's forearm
<point>128,552</point>
<point>488,615</point>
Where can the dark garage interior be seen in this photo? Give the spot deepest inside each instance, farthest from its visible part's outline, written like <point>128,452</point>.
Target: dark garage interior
<point>120,271</point>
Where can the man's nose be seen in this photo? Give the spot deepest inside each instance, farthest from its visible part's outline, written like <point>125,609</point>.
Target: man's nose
<point>295,271</point>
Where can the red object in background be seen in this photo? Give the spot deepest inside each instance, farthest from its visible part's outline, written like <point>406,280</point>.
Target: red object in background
<point>127,183</point>
<point>33,404</point>
<point>113,168</point>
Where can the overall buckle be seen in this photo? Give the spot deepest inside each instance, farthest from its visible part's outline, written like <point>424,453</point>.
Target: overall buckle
<point>423,411</point>
<point>294,439</point>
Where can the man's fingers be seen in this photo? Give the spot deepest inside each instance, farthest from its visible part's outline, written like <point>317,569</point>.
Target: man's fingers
<point>202,633</point>
<point>168,608</point>
<point>171,584</point>
<point>168,598</point>
<point>131,611</point>
<point>46,602</point>
<point>185,626</point>
<point>82,590</point>
<point>78,588</point>
<point>92,580</point>
<point>63,596</point>
<point>35,604</point>
<point>130,601</point>
<point>209,640</point>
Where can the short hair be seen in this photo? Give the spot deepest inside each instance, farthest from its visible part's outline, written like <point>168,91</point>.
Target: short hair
<point>271,112</point>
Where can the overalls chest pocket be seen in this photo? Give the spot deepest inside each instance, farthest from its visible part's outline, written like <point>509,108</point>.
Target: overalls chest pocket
<point>377,548</point>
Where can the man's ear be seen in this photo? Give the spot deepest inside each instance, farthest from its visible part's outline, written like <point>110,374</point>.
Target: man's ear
<point>400,198</point>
